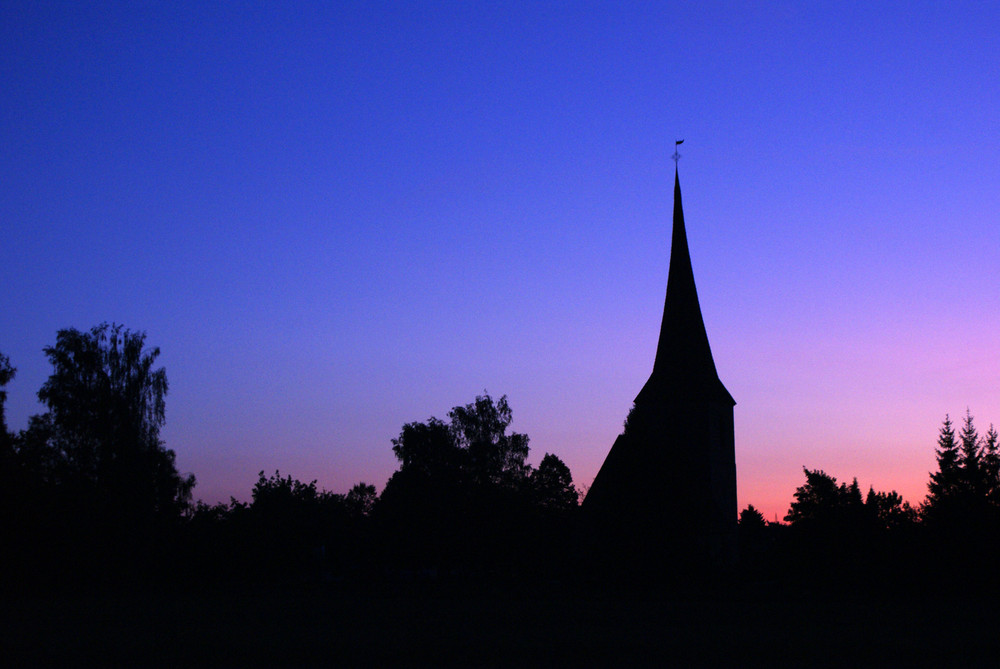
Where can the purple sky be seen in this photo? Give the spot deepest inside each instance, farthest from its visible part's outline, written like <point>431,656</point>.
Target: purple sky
<point>339,218</point>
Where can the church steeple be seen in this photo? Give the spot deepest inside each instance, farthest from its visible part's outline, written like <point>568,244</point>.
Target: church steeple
<point>666,493</point>
<point>684,367</point>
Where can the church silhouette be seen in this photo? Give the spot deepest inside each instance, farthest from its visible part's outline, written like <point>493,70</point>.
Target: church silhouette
<point>665,496</point>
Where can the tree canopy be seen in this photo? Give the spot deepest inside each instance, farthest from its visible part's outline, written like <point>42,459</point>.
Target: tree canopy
<point>106,405</point>
<point>7,373</point>
<point>464,497</point>
<point>965,489</point>
<point>91,473</point>
<point>820,499</point>
<point>473,449</point>
<point>552,484</point>
<point>480,429</point>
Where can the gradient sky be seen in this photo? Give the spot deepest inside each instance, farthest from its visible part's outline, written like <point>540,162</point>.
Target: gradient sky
<point>336,218</point>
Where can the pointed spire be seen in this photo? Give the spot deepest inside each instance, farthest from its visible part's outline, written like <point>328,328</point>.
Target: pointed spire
<point>684,368</point>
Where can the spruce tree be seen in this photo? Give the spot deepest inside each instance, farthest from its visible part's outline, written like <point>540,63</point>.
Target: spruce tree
<point>944,483</point>
<point>965,486</point>
<point>970,462</point>
<point>991,465</point>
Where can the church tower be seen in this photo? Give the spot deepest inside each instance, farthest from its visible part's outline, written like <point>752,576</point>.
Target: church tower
<point>666,493</point>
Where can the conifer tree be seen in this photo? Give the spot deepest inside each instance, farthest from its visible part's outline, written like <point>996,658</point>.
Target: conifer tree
<point>821,500</point>
<point>991,465</point>
<point>966,486</point>
<point>944,483</point>
<point>750,517</point>
<point>970,461</point>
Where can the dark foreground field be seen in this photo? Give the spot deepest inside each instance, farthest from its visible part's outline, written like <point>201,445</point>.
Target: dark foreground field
<point>428,626</point>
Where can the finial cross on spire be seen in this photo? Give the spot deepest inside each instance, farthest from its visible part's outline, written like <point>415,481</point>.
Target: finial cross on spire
<point>677,155</point>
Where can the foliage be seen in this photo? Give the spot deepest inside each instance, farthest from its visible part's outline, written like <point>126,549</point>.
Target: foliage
<point>822,500</point>
<point>751,519</point>
<point>360,500</point>
<point>464,500</point>
<point>966,487</point>
<point>275,492</point>
<point>821,503</point>
<point>971,477</point>
<point>991,466</point>
<point>552,485</point>
<point>7,373</point>
<point>429,449</point>
<point>40,462</point>
<point>945,483</point>
<point>289,530</point>
<point>473,454</point>
<point>464,497</point>
<point>106,405</point>
<point>494,457</point>
<point>7,455</point>
<point>472,450</point>
<point>888,509</point>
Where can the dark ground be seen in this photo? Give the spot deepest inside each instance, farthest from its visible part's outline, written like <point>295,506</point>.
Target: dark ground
<point>428,625</point>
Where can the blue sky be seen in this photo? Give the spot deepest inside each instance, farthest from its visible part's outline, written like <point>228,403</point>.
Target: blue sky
<point>335,218</point>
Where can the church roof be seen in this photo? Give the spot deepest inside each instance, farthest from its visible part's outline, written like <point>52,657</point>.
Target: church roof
<point>684,368</point>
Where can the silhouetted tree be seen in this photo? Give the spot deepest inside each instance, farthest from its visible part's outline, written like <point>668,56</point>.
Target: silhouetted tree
<point>962,493</point>
<point>970,460</point>
<point>837,536</point>
<point>7,455</point>
<point>289,531</point>
<point>960,513</point>
<point>630,419</point>
<point>90,490</point>
<point>426,499</point>
<point>13,484</point>
<point>283,494</point>
<point>360,500</point>
<point>464,499</point>
<point>552,485</point>
<point>945,483</point>
<point>473,450</point>
<point>888,510</point>
<point>494,457</point>
<point>38,459</point>
<point>757,539</point>
<point>293,525</point>
<point>821,500</point>
<point>991,465</point>
<point>429,449</point>
<point>752,519</point>
<point>7,373</point>
<point>106,407</point>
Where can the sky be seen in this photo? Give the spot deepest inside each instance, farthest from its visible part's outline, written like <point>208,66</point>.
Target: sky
<point>337,218</point>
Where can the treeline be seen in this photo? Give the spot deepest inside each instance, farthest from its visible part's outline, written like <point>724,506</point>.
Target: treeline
<point>88,491</point>
<point>833,531</point>
<point>464,505</point>
<point>89,494</point>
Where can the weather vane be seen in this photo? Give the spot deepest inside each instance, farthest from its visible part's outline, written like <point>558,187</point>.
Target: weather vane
<point>677,155</point>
